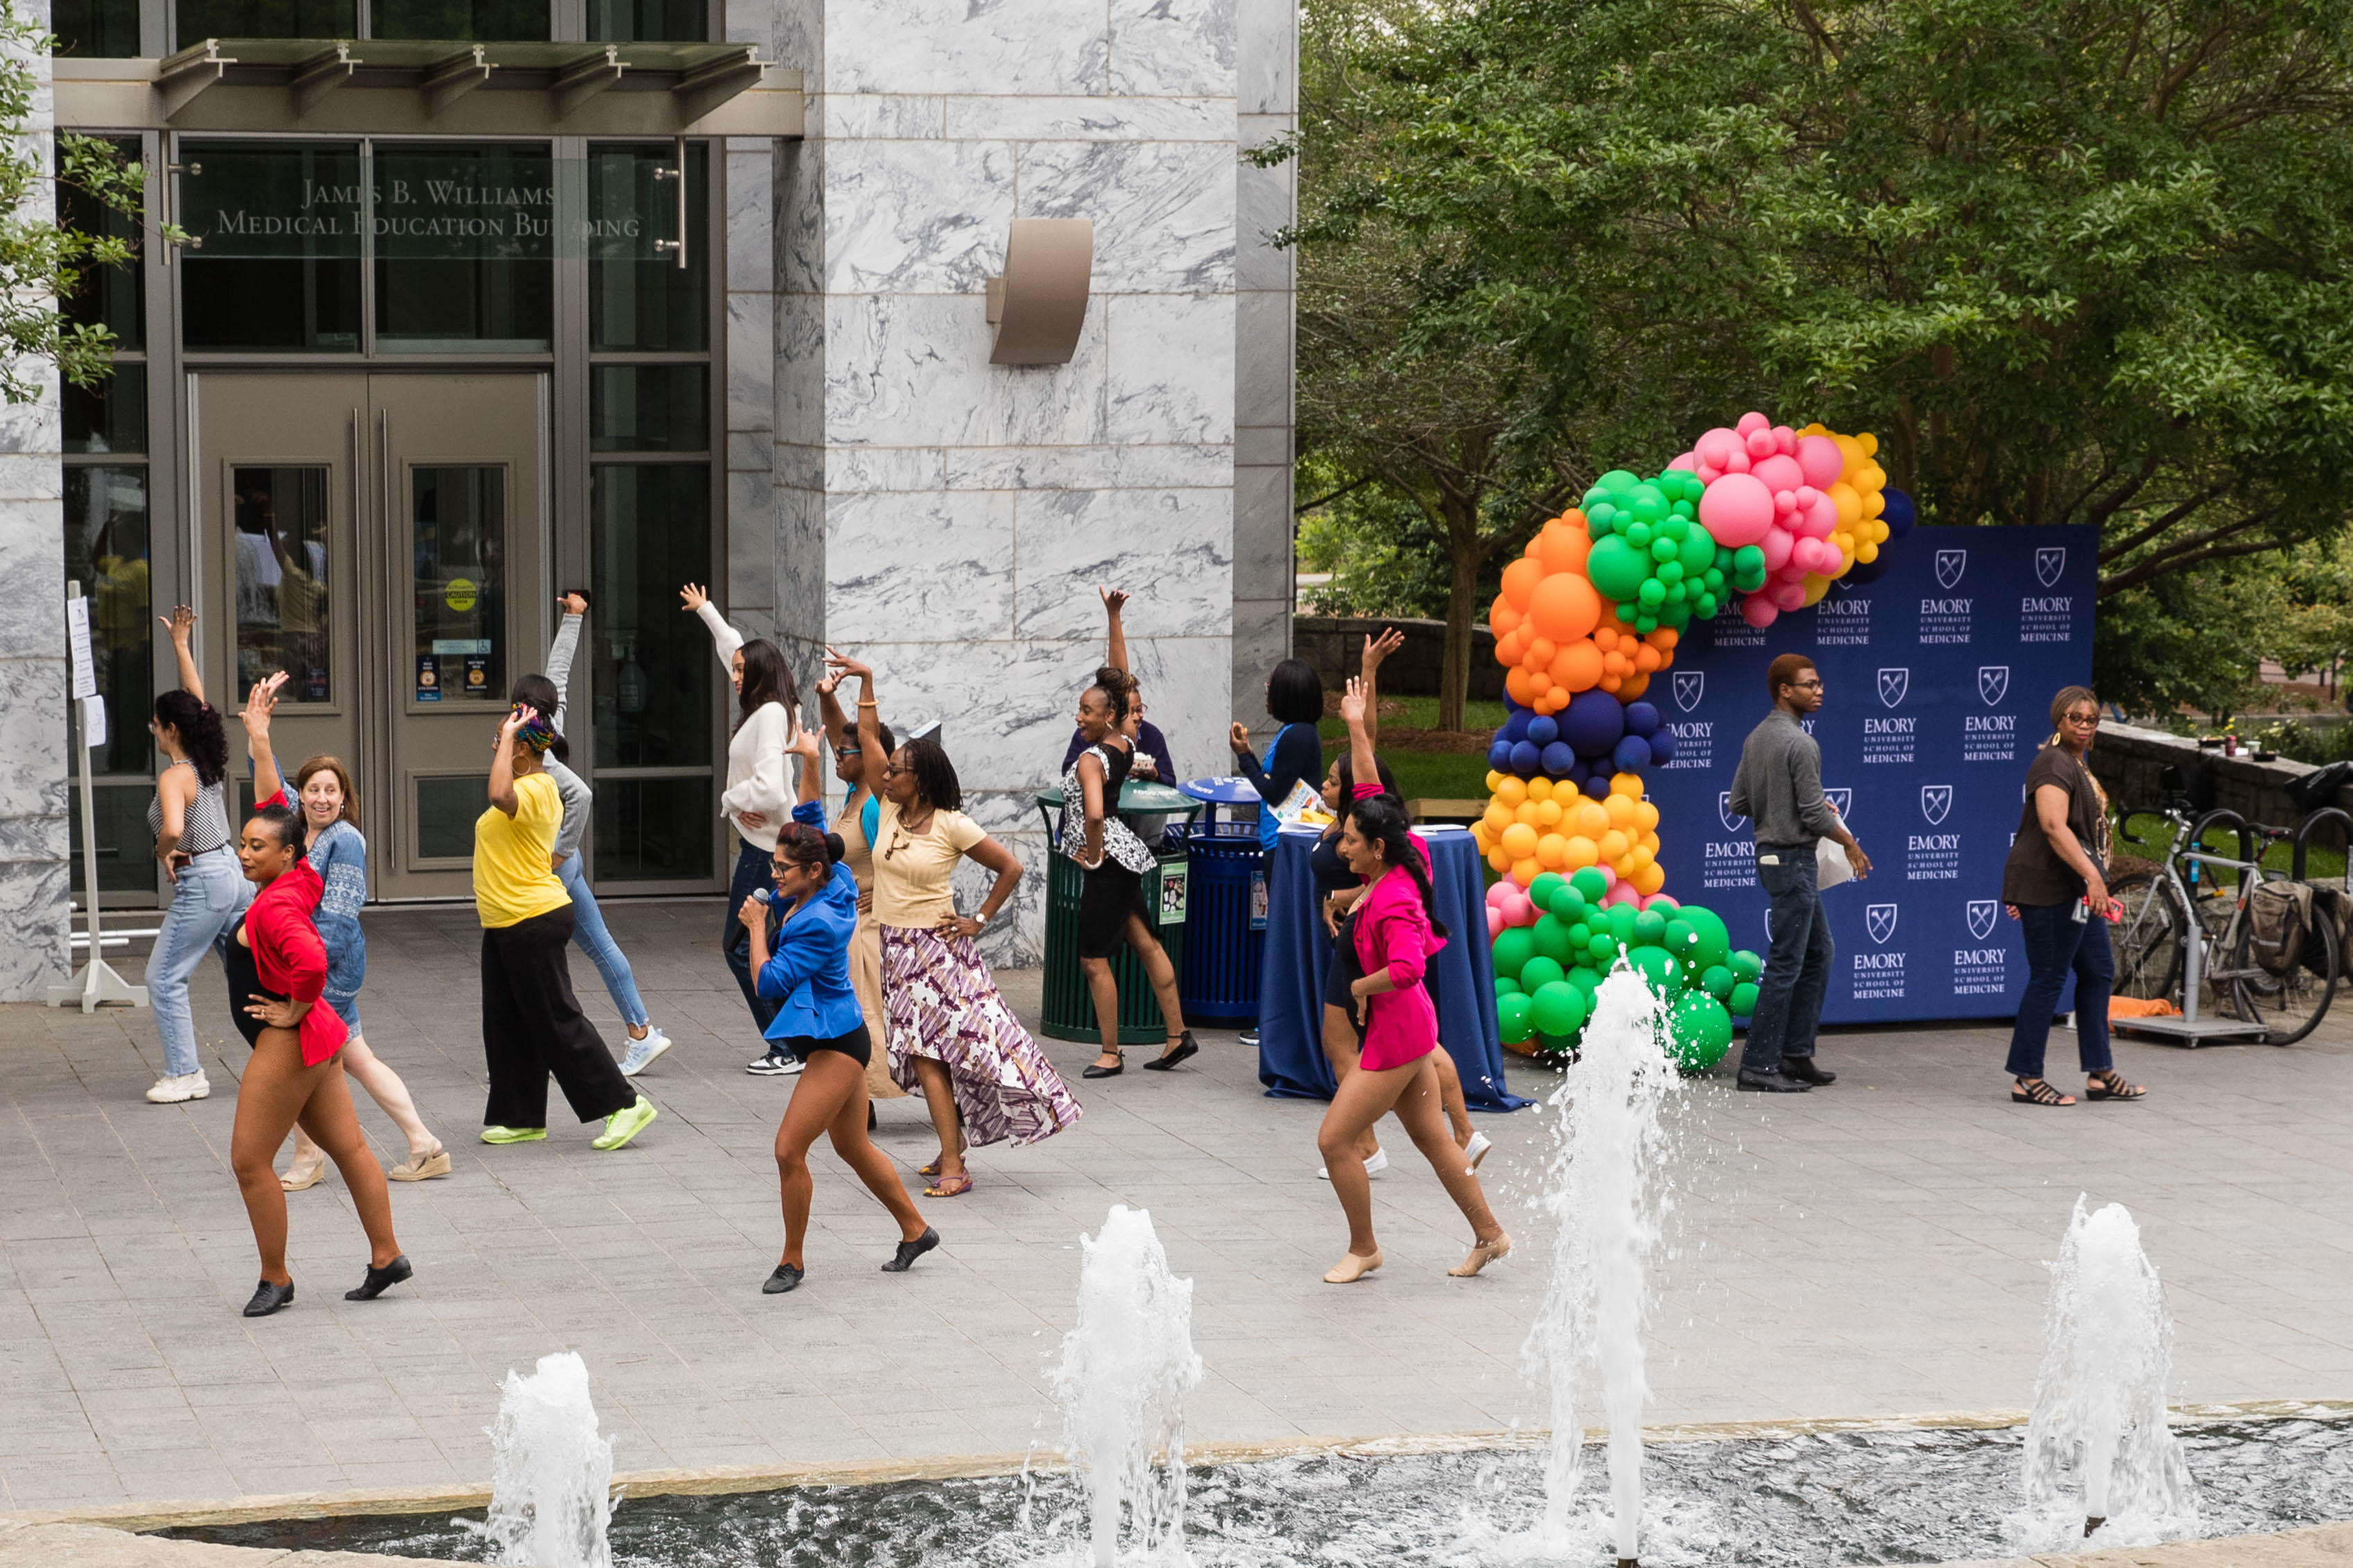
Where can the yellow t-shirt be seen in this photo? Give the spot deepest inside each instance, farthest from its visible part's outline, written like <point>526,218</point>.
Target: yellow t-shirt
<point>511,878</point>
<point>911,872</point>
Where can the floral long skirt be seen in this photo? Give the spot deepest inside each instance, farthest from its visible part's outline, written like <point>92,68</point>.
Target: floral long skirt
<point>938,1001</point>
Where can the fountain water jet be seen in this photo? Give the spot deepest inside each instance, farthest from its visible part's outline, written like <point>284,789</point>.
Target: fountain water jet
<point>1127,1365</point>
<point>550,1473</point>
<point>1601,1189</point>
<point>2099,1399</point>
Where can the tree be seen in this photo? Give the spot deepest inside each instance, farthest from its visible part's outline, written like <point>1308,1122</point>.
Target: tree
<point>2075,261</point>
<point>42,261</point>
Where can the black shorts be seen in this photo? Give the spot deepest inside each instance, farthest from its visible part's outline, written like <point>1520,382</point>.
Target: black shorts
<point>1346,971</point>
<point>856,1045</point>
<point>1110,893</point>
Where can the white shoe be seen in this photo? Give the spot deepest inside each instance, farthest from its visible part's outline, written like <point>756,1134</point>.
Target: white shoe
<point>1373,1167</point>
<point>174,1087</point>
<point>1476,1150</point>
<point>642,1053</point>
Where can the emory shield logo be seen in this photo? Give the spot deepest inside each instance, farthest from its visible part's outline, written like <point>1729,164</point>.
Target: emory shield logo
<point>2049,563</point>
<point>1879,920</point>
<point>1950,565</point>
<point>1981,913</point>
<point>1993,683</point>
<point>1724,810</point>
<point>1936,799</point>
<point>1689,685</point>
<point>1841,800</point>
<point>1892,685</point>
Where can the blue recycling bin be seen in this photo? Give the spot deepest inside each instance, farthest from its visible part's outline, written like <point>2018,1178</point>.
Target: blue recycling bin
<point>1225,920</point>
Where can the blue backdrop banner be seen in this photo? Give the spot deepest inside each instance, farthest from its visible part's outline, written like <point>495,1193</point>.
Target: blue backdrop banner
<point>1938,681</point>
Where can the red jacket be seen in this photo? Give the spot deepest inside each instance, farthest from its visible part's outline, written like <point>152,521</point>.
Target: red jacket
<point>289,957</point>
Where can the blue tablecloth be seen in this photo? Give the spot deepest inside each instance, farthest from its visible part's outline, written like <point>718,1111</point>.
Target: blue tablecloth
<point>1290,1059</point>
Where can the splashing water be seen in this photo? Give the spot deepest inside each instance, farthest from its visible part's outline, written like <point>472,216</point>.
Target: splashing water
<point>1127,1365</point>
<point>2099,1423</point>
<point>1601,1188</point>
<point>550,1473</point>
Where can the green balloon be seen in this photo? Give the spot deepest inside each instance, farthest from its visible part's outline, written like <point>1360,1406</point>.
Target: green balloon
<point>1580,934</point>
<point>1599,519</point>
<point>1512,1013</point>
<point>1706,605</point>
<point>1679,938</point>
<point>1546,884</point>
<point>1602,951</point>
<point>1698,552</point>
<point>1714,945</point>
<point>1678,524</point>
<point>1658,966</point>
<point>1588,981</point>
<point>1636,533</point>
<point>1505,986</point>
<point>1677,592</point>
<point>1717,981</point>
<point>1568,903</point>
<point>1559,1047</point>
<point>1749,568</point>
<point>1746,965</point>
<point>1650,503</point>
<point>1556,1008</point>
<point>1671,572</point>
<point>1617,481</point>
<point>1513,948</point>
<point>1699,1031</point>
<point>1539,973</point>
<point>1744,1000</point>
<point>1551,937</point>
<point>1617,568</point>
<point>1652,594</point>
<point>1646,624</point>
<point>1650,927</point>
<point>1621,917</point>
<point>1589,882</point>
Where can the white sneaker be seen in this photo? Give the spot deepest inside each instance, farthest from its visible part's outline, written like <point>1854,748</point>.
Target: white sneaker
<point>642,1053</point>
<point>775,1064</point>
<point>1476,1150</point>
<point>1373,1167</point>
<point>174,1087</point>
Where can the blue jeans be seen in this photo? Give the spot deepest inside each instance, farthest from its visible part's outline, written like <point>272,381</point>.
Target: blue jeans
<point>753,870</point>
<point>1796,963</point>
<point>589,936</point>
<point>210,894</point>
<point>2055,945</point>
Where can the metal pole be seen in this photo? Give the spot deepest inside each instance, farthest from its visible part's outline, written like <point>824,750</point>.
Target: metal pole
<point>96,982</point>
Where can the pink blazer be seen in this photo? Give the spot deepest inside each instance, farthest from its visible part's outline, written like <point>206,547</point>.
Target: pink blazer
<point>1392,930</point>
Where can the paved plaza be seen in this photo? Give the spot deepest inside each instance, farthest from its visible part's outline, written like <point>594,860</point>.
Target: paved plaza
<point>1873,1249</point>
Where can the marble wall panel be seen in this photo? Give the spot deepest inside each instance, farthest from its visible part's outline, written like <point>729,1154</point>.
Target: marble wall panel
<point>914,371</point>
<point>1262,556</point>
<point>938,566</point>
<point>799,563</point>
<point>801,208</point>
<point>1163,211</point>
<point>1267,73</point>
<point>853,116</point>
<point>1003,704</point>
<point>927,217</point>
<point>1267,202</point>
<point>1092,119</point>
<point>854,468</point>
<point>751,364</point>
<point>1187,694</point>
<point>1166,47</point>
<point>1171,549</point>
<point>1138,466</point>
<point>955,46</point>
<point>750,171</point>
<point>1263,325</point>
<point>1262,640</point>
<point>751,555</point>
<point>1171,377</point>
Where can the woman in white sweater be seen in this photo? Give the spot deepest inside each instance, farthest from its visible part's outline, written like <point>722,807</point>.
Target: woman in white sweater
<point>759,795</point>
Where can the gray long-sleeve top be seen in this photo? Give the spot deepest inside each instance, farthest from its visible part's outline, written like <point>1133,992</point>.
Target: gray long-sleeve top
<point>577,796</point>
<point>1778,785</point>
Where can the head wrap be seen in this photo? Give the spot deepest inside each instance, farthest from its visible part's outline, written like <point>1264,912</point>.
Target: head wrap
<point>538,734</point>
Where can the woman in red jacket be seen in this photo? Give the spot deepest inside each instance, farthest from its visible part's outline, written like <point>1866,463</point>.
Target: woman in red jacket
<point>277,969</point>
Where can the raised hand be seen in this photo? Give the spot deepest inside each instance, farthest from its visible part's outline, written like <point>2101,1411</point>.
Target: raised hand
<point>1378,649</point>
<point>1352,704</point>
<point>574,603</point>
<point>841,667</point>
<point>805,745</point>
<point>693,597</point>
<point>1114,599</point>
<point>180,622</point>
<point>1237,736</point>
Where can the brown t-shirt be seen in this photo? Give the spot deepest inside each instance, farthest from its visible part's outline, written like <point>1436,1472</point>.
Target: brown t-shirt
<point>2034,874</point>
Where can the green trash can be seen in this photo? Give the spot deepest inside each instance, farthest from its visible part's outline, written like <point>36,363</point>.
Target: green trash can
<point>1070,1008</point>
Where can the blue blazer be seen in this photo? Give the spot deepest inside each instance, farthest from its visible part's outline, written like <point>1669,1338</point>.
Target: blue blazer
<point>808,963</point>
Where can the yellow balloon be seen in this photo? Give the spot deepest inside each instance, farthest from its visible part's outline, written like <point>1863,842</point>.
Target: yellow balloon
<point>1626,784</point>
<point>1592,818</point>
<point>1624,866</point>
<point>1551,851</point>
<point>1547,814</point>
<point>1511,792</point>
<point>1613,845</point>
<point>1641,857</point>
<point>1620,809</point>
<point>1816,586</point>
<point>1498,816</point>
<point>1874,503</point>
<point>1649,841</point>
<point>1849,502</point>
<point>1519,841</point>
<point>1540,789</point>
<point>1581,853</point>
<point>1524,873</point>
<point>1498,860</point>
<point>1646,814</point>
<point>1868,442</point>
<point>1494,780</point>
<point>1649,878</point>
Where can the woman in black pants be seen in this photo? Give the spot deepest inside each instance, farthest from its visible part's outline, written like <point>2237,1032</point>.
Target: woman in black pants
<point>1294,699</point>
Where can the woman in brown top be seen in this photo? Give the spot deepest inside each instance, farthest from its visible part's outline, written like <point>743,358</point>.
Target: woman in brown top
<point>856,823</point>
<point>2055,884</point>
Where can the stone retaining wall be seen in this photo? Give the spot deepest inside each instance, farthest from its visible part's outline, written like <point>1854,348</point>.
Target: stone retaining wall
<point>2127,761</point>
<point>1334,645</point>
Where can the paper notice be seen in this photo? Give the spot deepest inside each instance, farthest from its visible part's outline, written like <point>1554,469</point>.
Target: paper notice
<point>93,720</point>
<point>85,671</point>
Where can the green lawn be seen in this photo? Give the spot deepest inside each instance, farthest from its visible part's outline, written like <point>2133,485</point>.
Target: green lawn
<point>1428,775</point>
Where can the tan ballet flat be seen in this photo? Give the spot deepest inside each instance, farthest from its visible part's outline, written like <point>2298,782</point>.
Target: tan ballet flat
<point>1482,1254</point>
<point>1351,1268</point>
<point>412,1169</point>
<point>299,1177</point>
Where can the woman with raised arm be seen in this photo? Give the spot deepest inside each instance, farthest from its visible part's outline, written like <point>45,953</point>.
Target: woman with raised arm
<point>277,973</point>
<point>532,1023</point>
<point>1112,862</point>
<point>551,693</point>
<point>805,968</point>
<point>862,816</point>
<point>1393,933</point>
<point>321,795</point>
<point>951,1034</point>
<point>759,793</point>
<point>189,819</point>
<point>1295,700</point>
<point>1152,761</point>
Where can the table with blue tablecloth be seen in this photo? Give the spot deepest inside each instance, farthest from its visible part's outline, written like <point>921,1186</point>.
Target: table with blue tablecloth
<point>1290,1060</point>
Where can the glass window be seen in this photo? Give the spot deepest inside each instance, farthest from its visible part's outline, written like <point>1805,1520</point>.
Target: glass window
<point>279,266</point>
<point>653,830</point>
<point>108,418</point>
<point>459,516</point>
<point>96,29</point>
<point>648,408</point>
<point>446,809</point>
<point>464,248</point>
<point>114,298</point>
<point>487,21</point>
<point>649,21</point>
<point>650,532</point>
<point>202,19</point>
<point>282,567</point>
<point>639,296</point>
<point>126,850</point>
<point>106,552</point>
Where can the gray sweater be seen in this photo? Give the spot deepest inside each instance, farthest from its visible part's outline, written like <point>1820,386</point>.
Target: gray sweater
<point>1778,785</point>
<point>571,786</point>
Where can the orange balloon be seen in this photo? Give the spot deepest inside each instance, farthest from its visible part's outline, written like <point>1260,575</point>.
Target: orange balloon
<point>1614,663</point>
<point>1515,684</point>
<point>1503,617</point>
<point>1664,639</point>
<point>1563,543</point>
<point>1632,686</point>
<point>1577,666</point>
<point>1519,580</point>
<point>1646,659</point>
<point>1539,653</point>
<point>1511,646</point>
<point>1565,606</point>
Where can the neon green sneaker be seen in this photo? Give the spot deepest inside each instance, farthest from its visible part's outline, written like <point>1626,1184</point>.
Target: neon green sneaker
<point>624,1125</point>
<point>515,1134</point>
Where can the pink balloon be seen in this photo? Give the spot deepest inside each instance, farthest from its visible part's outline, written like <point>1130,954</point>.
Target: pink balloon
<point>1820,457</point>
<point>1622,893</point>
<point>1686,462</point>
<point>1709,473</point>
<point>1815,555</point>
<point>1608,878</point>
<point>1752,420</point>
<point>1736,460</point>
<point>1759,441</point>
<point>1659,902</point>
<point>1777,472</point>
<point>1715,445</point>
<point>1758,611</point>
<point>1498,894</point>
<point>1789,595</point>
<point>1494,922</point>
<point>1785,441</point>
<point>1776,545</point>
<point>1736,510</point>
<point>1821,517</point>
<point>1519,910</point>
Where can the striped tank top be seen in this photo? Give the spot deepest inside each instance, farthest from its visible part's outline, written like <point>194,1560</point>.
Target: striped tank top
<point>206,827</point>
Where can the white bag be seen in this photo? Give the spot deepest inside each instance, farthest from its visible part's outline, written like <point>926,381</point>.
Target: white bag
<point>1831,865</point>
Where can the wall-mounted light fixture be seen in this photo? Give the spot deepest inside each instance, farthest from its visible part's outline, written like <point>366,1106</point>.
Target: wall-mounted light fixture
<point>1038,306</point>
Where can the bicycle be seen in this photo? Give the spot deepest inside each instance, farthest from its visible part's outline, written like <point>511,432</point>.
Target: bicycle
<point>2192,887</point>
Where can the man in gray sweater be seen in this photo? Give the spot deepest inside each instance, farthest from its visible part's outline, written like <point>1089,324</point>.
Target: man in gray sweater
<point>1779,787</point>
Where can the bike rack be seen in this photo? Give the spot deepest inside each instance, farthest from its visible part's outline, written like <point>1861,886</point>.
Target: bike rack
<point>2189,1029</point>
<point>2327,813</point>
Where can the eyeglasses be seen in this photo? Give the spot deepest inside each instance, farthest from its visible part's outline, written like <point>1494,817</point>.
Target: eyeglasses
<point>893,770</point>
<point>1814,685</point>
<point>847,750</point>
<point>2089,719</point>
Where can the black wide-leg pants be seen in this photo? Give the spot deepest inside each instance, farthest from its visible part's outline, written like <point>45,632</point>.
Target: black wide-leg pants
<point>533,1026</point>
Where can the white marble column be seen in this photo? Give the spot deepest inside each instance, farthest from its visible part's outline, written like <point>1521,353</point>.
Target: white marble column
<point>1263,323</point>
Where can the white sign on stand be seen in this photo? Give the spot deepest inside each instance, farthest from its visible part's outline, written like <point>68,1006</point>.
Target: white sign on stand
<point>95,981</point>
<point>93,721</point>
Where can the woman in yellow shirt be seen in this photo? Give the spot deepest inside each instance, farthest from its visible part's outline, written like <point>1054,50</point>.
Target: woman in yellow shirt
<point>531,1025</point>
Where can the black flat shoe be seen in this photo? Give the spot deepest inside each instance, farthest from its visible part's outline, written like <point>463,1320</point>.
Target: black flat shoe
<point>904,1258</point>
<point>269,1298</point>
<point>1096,1069</point>
<point>379,1281</point>
<point>1186,1047</point>
<point>785,1278</point>
<point>1771,1082</point>
<point>1803,1069</point>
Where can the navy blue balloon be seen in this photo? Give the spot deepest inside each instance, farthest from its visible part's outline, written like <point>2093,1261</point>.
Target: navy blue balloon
<point>1558,760</point>
<point>1869,571</point>
<point>1598,786</point>
<point>1499,755</point>
<point>1543,730</point>
<point>1663,745</point>
<point>1526,758</point>
<point>1634,754</point>
<point>1579,774</point>
<point>1592,723</point>
<point>1516,727</point>
<point>1642,718</point>
<point>1899,516</point>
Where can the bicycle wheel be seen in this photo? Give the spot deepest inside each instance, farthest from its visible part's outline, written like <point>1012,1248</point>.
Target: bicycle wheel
<point>2289,1006</point>
<point>2147,941</point>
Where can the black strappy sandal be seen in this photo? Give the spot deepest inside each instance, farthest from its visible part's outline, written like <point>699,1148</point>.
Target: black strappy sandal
<point>2037,1092</point>
<point>2111,1085</point>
